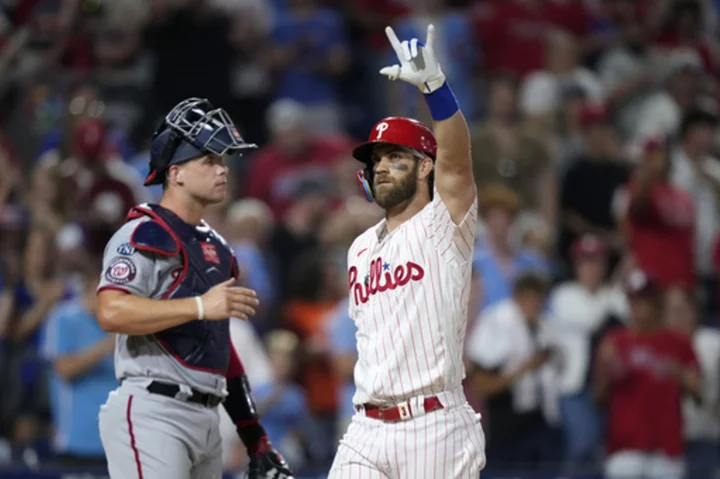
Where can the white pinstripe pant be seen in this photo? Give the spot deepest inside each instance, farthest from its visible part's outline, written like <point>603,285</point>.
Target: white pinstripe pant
<point>445,444</point>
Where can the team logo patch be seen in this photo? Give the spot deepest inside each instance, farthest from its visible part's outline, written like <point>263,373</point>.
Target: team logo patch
<point>120,271</point>
<point>210,253</point>
<point>126,249</point>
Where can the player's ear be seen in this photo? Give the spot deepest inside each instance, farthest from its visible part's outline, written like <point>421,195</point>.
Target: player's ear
<point>175,175</point>
<point>425,168</point>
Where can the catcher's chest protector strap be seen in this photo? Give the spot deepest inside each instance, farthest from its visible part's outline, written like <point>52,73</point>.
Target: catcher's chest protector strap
<point>152,237</point>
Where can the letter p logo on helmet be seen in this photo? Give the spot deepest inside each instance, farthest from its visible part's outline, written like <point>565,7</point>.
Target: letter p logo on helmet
<point>380,128</point>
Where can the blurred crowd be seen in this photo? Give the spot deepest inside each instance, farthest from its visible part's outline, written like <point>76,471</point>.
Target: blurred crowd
<point>595,148</point>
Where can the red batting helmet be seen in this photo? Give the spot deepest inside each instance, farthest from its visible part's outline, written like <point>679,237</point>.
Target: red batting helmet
<point>393,130</point>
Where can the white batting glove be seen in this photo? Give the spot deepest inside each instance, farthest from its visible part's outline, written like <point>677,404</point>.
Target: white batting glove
<point>418,63</point>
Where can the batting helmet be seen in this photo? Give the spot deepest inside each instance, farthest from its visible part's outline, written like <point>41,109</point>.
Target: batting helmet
<point>393,131</point>
<point>192,128</point>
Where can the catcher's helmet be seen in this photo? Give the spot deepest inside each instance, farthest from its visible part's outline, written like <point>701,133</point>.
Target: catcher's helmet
<point>393,130</point>
<point>192,128</point>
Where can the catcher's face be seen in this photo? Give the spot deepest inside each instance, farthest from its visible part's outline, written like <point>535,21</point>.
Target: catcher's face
<point>204,178</point>
<point>396,173</point>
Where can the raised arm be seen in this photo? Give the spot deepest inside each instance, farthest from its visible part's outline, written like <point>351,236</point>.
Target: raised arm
<point>453,169</point>
<point>453,166</point>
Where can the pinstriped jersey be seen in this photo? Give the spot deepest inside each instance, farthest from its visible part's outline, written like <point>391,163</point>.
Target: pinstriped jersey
<point>409,294</point>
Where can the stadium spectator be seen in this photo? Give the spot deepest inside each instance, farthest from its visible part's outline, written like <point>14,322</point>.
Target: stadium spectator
<point>187,38</point>
<point>81,357</point>
<point>643,371</point>
<point>581,311</point>
<point>310,54</point>
<point>697,173</point>
<point>503,152</point>
<point>659,220</point>
<point>282,403</point>
<point>497,262</point>
<point>624,68</point>
<point>507,349</point>
<point>513,32</point>
<point>250,224</point>
<point>316,286</point>
<point>124,77</point>
<point>590,184</point>
<point>297,234</point>
<point>684,29</point>
<point>562,69</point>
<point>251,79</point>
<point>342,332</point>
<point>368,18</point>
<point>666,101</point>
<point>294,154</point>
<point>701,424</point>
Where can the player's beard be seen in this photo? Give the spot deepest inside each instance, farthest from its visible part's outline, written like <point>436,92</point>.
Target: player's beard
<point>401,191</point>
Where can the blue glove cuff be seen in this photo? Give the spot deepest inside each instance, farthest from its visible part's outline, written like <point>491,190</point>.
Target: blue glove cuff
<point>442,103</point>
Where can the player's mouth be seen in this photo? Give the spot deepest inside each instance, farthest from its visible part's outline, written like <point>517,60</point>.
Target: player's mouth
<point>382,181</point>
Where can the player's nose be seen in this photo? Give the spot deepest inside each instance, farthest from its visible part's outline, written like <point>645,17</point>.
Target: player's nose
<point>381,167</point>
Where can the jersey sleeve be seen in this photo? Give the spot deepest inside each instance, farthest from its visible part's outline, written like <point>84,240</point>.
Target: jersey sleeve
<point>454,241</point>
<point>126,268</point>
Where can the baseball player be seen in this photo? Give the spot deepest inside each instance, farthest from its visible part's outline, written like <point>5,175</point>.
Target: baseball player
<point>167,291</point>
<point>409,279</point>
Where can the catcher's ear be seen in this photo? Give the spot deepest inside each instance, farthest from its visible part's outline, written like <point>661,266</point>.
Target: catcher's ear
<point>175,175</point>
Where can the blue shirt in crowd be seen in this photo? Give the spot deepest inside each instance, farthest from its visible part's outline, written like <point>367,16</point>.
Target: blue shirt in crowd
<point>342,331</point>
<point>71,329</point>
<point>496,284</point>
<point>312,37</point>
<point>288,414</point>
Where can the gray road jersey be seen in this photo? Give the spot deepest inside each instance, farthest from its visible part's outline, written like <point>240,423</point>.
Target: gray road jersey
<point>149,276</point>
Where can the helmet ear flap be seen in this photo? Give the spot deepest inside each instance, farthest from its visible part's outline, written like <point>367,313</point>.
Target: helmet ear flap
<point>364,177</point>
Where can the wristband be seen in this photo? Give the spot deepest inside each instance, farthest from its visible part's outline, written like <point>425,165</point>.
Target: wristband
<point>200,307</point>
<point>442,103</point>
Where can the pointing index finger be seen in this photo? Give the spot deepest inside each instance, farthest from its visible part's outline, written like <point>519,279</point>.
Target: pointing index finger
<point>430,40</point>
<point>394,41</point>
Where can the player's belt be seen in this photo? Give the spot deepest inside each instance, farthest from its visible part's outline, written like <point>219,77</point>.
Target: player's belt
<point>172,390</point>
<point>402,411</point>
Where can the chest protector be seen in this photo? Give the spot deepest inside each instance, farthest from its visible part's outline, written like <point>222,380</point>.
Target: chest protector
<point>206,261</point>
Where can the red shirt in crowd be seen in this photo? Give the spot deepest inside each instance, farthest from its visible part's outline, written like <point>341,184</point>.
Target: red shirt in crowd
<point>274,177</point>
<point>645,400</point>
<point>514,35</point>
<point>661,235</point>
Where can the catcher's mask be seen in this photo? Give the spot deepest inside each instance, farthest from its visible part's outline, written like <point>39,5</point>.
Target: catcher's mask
<point>394,131</point>
<point>193,128</point>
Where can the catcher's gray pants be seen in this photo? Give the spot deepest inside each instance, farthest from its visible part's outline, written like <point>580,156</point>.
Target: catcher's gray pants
<point>149,436</point>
